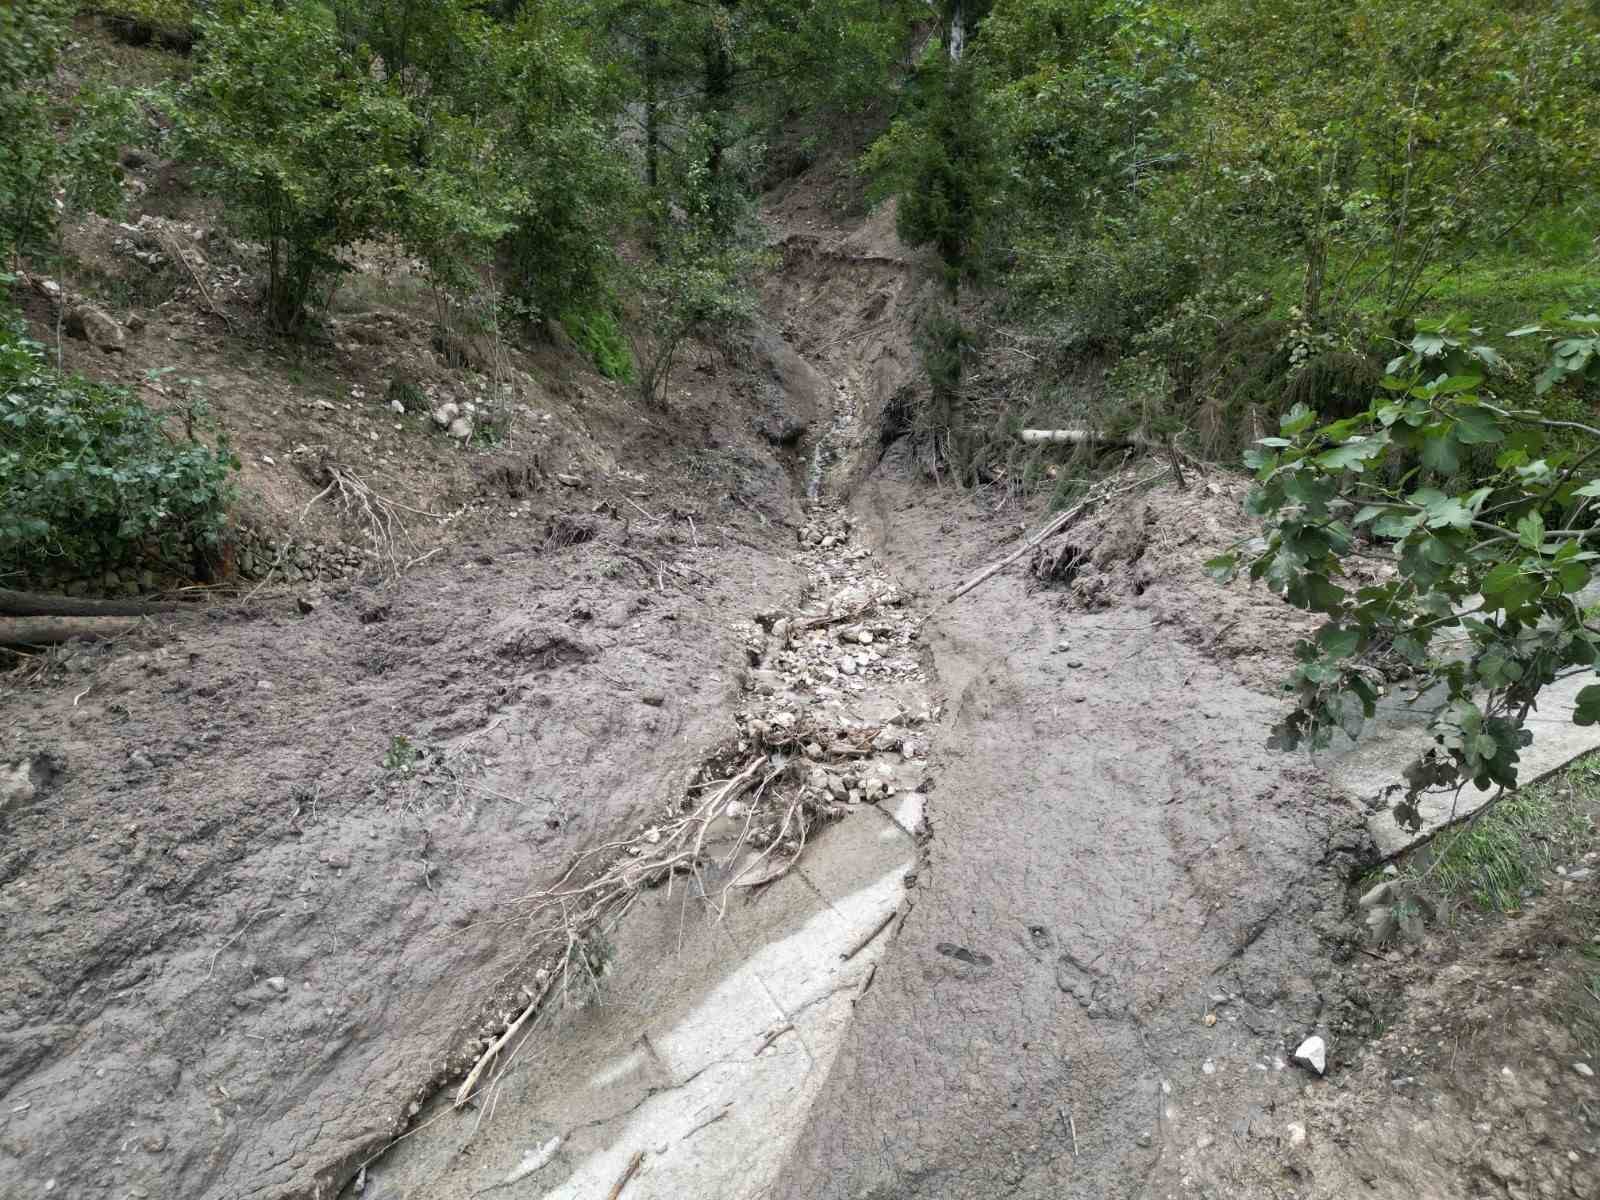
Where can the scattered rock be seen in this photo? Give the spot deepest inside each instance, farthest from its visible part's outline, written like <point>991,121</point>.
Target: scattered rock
<point>767,683</point>
<point>1383,893</point>
<point>444,414</point>
<point>1584,1069</point>
<point>88,323</point>
<point>1296,1132</point>
<point>653,699</point>
<point>16,784</point>
<point>308,604</point>
<point>140,761</point>
<point>277,983</point>
<point>460,428</point>
<point>1313,1053</point>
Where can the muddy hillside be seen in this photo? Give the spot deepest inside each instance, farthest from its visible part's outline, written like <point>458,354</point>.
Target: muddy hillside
<point>651,818</point>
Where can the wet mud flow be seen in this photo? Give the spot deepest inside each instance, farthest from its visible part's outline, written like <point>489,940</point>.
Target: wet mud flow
<point>727,996</point>
<point>1059,918</point>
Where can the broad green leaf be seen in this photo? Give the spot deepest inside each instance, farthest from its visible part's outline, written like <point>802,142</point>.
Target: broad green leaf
<point>1439,453</point>
<point>1587,709</point>
<point>1530,531</point>
<point>1297,420</point>
<point>1338,641</point>
<point>1476,427</point>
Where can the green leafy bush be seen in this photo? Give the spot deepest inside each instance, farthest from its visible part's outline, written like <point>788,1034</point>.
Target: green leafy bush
<point>90,478</point>
<point>30,39</point>
<point>1484,514</point>
<point>598,335</point>
<point>308,148</point>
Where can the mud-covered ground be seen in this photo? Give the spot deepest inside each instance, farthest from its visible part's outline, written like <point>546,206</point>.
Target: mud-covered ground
<point>259,866</point>
<point>245,926</point>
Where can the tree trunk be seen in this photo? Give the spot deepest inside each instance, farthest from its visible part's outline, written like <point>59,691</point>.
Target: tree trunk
<point>34,604</point>
<point>48,630</point>
<point>652,112</point>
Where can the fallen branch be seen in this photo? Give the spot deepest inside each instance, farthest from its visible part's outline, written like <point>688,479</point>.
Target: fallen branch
<point>37,604</point>
<point>464,1092</point>
<point>627,1174</point>
<point>868,940</point>
<point>1054,527</point>
<point>1082,437</point>
<point>45,632</point>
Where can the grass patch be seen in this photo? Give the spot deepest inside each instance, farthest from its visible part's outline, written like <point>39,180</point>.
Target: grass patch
<point>1491,861</point>
<point>597,333</point>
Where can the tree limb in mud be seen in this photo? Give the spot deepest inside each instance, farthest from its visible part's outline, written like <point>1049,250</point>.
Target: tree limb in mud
<point>36,604</point>
<point>1056,525</point>
<point>47,631</point>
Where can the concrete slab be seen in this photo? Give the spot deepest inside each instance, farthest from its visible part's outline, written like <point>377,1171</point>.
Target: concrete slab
<point>705,1059</point>
<point>1366,768</point>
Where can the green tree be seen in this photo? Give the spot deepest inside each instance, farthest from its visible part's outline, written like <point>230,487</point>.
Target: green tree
<point>1484,516</point>
<point>304,141</point>
<point>51,160</point>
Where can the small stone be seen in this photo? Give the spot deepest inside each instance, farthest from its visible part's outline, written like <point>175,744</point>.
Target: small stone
<point>864,637</point>
<point>1144,1139</point>
<point>1209,1019</point>
<point>1313,1053</point>
<point>263,685</point>
<point>1579,874</point>
<point>1383,893</point>
<point>444,414</point>
<point>460,428</point>
<point>767,683</point>
<point>337,859</point>
<point>1208,1067</point>
<point>154,1143</point>
<point>1296,1132</point>
<point>1073,662</point>
<point>847,665</point>
<point>308,604</point>
<point>140,761</point>
<point>653,699</point>
<point>1204,1141</point>
<point>277,983</point>
<point>1584,1069</point>
<point>568,480</point>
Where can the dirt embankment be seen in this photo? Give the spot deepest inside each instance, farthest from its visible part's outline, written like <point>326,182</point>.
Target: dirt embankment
<point>261,890</point>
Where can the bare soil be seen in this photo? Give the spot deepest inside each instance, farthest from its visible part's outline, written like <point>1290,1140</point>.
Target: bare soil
<point>259,866</point>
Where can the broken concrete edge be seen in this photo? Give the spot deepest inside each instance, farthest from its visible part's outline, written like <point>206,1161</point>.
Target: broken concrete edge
<point>1479,806</point>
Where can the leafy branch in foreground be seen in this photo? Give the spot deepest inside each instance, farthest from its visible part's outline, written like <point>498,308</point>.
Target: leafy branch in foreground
<point>1483,520</point>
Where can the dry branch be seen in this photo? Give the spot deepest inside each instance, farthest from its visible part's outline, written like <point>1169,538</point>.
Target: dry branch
<point>36,604</point>
<point>1055,526</point>
<point>627,1174</point>
<point>47,631</point>
<point>1081,437</point>
<point>464,1092</point>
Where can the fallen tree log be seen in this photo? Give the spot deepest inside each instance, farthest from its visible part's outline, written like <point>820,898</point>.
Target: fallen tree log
<point>37,604</point>
<point>45,631</point>
<point>1053,527</point>
<point>1089,437</point>
<point>1079,437</point>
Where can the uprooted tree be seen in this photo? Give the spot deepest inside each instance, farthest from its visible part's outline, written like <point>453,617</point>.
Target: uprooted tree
<point>1484,520</point>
